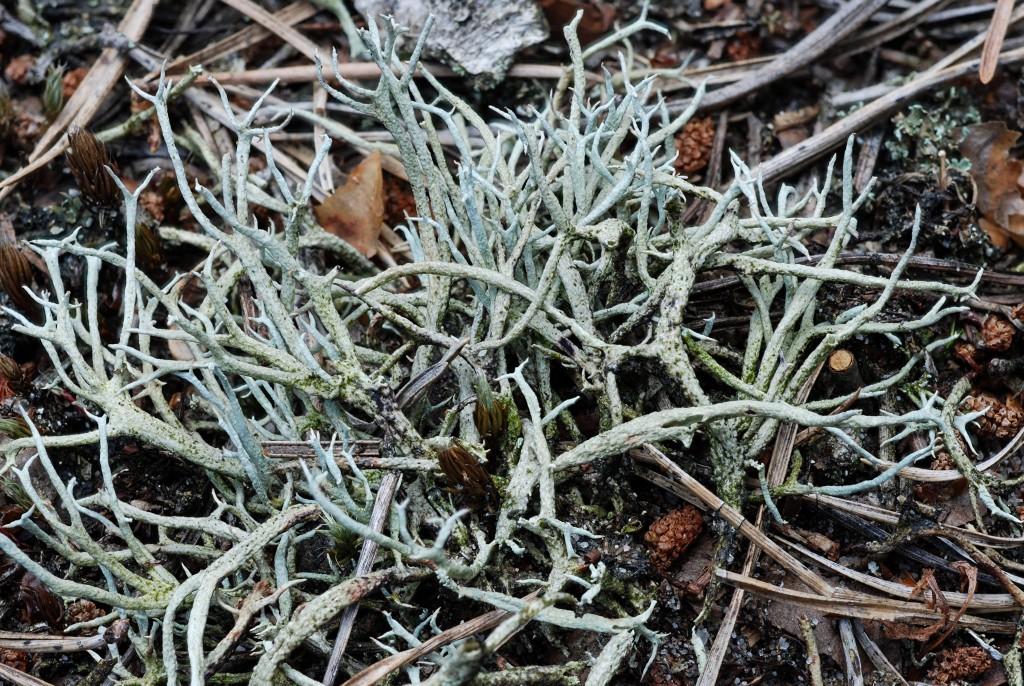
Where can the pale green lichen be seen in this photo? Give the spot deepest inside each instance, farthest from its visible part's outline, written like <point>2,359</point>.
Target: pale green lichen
<point>566,228</point>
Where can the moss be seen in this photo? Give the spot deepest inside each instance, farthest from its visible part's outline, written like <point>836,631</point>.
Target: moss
<point>924,130</point>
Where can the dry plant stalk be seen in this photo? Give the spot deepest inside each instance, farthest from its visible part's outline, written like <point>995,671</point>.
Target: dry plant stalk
<point>564,234</point>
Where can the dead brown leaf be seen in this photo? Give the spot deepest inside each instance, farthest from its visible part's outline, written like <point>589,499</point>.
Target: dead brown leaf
<point>355,211</point>
<point>998,178</point>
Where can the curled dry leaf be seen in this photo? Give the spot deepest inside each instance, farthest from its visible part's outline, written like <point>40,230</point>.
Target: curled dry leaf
<point>40,604</point>
<point>998,178</point>
<point>355,211</point>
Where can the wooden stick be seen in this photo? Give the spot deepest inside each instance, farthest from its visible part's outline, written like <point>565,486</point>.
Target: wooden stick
<point>648,453</point>
<point>778,465</point>
<point>281,30</point>
<point>813,658</point>
<point>247,37</point>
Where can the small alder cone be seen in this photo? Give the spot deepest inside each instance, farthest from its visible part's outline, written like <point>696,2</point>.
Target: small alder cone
<point>694,144</point>
<point>15,273</point>
<point>1001,422</point>
<point>997,334</point>
<point>670,536</point>
<point>87,159</point>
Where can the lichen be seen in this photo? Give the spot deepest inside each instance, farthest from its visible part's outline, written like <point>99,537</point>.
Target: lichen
<point>563,233</point>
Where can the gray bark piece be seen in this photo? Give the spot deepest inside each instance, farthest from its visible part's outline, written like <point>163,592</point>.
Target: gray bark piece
<point>479,38</point>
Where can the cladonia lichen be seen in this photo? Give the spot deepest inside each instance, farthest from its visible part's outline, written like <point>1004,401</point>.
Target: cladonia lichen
<point>553,241</point>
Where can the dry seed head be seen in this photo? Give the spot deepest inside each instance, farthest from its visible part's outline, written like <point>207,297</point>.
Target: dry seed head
<point>12,376</point>
<point>15,274</point>
<point>148,248</point>
<point>87,158</point>
<point>489,415</point>
<point>466,476</point>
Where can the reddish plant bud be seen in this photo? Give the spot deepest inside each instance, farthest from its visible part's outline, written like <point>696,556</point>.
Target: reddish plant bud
<point>467,477</point>
<point>488,415</point>
<point>15,274</point>
<point>87,159</point>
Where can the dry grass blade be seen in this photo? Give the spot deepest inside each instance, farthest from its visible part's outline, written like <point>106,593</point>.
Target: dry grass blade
<point>949,475</point>
<point>879,514</point>
<point>973,44</point>
<point>862,606</point>
<point>841,24</point>
<point>246,38</point>
<point>994,40</point>
<point>367,555</point>
<point>86,101</point>
<point>874,653</point>
<point>982,602</point>
<point>268,21</point>
<point>854,671</point>
<point>367,70</point>
<point>910,18</point>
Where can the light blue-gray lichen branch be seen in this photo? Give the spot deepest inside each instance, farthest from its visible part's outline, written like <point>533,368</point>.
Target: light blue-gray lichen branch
<point>549,239</point>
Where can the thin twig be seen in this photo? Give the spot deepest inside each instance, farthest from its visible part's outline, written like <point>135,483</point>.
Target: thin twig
<point>813,657</point>
<point>842,23</point>
<point>381,509</point>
